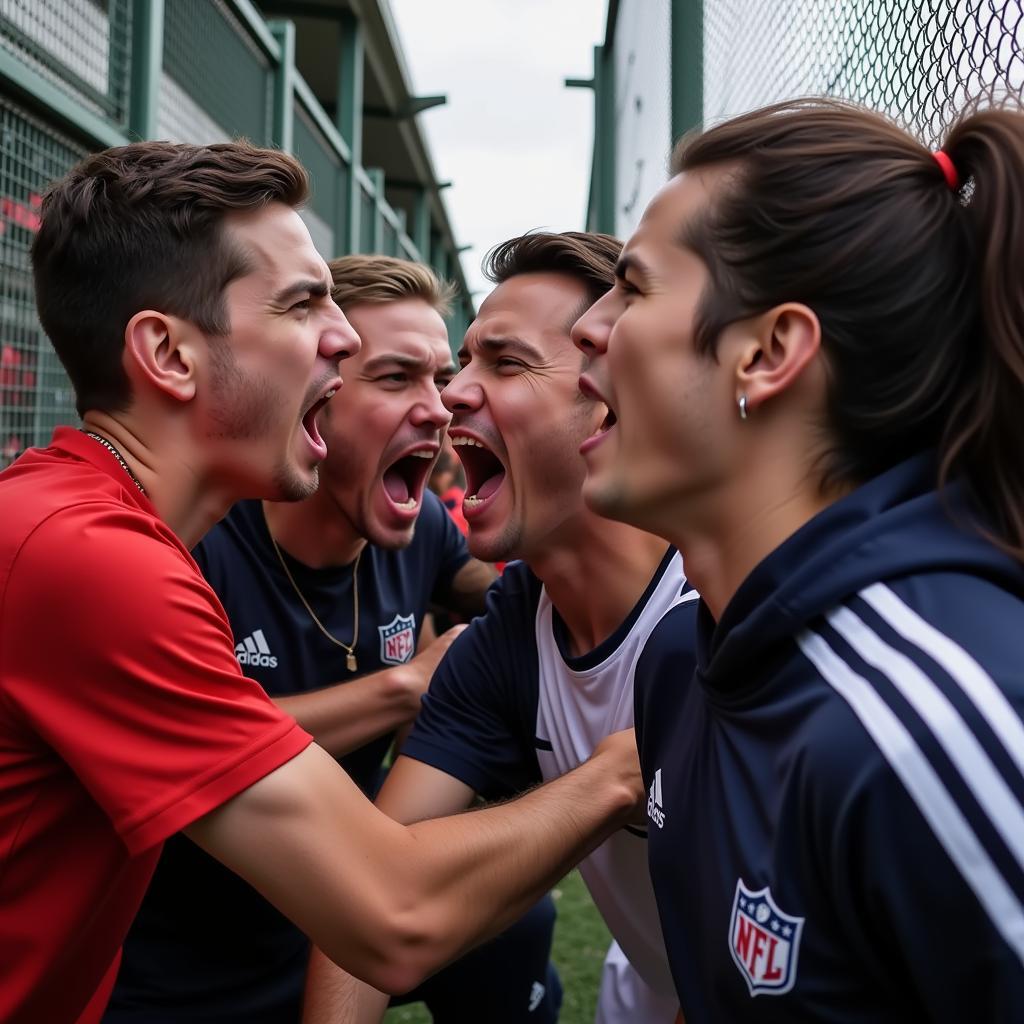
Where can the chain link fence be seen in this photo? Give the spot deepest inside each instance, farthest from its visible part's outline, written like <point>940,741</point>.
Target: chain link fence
<point>35,394</point>
<point>919,61</point>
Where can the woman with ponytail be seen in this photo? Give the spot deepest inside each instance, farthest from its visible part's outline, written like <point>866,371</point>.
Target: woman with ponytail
<point>814,365</point>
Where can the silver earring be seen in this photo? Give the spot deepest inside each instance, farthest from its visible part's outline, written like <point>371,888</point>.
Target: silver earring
<point>743,406</point>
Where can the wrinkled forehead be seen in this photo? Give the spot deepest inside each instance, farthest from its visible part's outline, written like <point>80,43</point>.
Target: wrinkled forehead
<point>409,332</point>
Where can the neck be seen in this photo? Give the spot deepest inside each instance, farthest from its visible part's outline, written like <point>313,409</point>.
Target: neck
<point>743,524</point>
<point>314,531</point>
<point>170,471</point>
<point>596,578</point>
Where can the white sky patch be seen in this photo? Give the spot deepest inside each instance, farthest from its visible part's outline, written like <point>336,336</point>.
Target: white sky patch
<point>514,141</point>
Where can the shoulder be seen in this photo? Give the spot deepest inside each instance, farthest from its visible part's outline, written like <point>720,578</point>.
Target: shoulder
<point>505,636</point>
<point>670,647</point>
<point>513,598</point>
<point>120,568</point>
<point>921,697</point>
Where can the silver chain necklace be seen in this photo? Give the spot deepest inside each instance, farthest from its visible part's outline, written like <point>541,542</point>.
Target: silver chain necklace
<point>117,455</point>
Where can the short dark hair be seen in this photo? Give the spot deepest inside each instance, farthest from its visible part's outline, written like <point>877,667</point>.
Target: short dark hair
<point>141,226</point>
<point>590,257</point>
<point>916,281</point>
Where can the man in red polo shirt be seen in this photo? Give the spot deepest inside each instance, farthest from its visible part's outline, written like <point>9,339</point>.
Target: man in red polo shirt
<point>184,297</point>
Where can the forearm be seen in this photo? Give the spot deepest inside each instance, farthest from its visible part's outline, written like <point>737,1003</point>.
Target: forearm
<point>347,716</point>
<point>479,872</point>
<point>392,903</point>
<point>334,996</point>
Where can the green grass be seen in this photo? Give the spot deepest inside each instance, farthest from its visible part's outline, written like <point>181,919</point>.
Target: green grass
<point>581,941</point>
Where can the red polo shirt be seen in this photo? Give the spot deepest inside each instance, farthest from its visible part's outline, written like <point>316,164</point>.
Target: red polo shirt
<point>123,718</point>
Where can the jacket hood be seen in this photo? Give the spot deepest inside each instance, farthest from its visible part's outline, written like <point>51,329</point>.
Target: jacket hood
<point>894,526</point>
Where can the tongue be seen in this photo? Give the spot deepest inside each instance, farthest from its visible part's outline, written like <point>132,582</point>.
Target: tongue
<point>489,486</point>
<point>397,488</point>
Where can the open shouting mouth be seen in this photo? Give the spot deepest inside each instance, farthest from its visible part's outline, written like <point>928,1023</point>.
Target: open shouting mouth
<point>406,477</point>
<point>309,424</point>
<point>485,472</point>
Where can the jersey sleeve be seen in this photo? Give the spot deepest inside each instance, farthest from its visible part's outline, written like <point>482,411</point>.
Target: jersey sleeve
<point>478,718</point>
<point>915,794</point>
<point>450,546</point>
<point>137,689</point>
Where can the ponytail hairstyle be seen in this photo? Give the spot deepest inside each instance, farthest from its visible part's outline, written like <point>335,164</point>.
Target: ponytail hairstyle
<point>913,270</point>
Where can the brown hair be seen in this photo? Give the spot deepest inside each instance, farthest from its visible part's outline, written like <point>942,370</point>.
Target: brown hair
<point>587,256</point>
<point>141,226</point>
<point>378,279</point>
<point>917,286</point>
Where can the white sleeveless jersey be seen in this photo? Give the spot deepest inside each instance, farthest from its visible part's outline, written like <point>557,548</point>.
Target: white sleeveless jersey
<point>576,708</point>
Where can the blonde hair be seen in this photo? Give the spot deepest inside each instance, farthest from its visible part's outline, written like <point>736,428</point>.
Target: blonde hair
<point>375,279</point>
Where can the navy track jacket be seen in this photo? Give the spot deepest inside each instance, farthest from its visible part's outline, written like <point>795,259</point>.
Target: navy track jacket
<point>836,798</point>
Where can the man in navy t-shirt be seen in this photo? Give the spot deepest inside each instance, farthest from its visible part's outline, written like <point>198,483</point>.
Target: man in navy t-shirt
<point>326,598</point>
<point>530,688</point>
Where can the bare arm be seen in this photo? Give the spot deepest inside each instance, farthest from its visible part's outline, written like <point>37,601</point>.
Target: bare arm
<point>412,791</point>
<point>465,595</point>
<point>346,716</point>
<point>391,903</point>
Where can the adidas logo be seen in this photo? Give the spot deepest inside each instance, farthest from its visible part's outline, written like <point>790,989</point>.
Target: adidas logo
<point>536,995</point>
<point>654,808</point>
<point>253,650</point>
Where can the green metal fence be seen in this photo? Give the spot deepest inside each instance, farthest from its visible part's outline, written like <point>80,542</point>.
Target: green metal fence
<point>79,75</point>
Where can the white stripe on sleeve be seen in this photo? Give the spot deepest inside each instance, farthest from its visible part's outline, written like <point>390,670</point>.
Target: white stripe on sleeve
<point>968,674</point>
<point>938,808</point>
<point>960,744</point>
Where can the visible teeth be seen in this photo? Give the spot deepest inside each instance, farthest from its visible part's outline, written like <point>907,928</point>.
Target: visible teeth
<point>408,506</point>
<point>466,440</point>
<point>471,500</point>
<point>423,455</point>
<point>331,393</point>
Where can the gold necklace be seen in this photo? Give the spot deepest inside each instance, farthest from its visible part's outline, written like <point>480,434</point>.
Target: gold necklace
<point>349,649</point>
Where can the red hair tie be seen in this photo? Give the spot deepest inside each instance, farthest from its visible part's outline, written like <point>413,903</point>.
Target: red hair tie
<point>948,170</point>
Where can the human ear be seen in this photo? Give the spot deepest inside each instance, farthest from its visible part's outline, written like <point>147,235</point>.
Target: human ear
<point>779,347</point>
<point>161,351</point>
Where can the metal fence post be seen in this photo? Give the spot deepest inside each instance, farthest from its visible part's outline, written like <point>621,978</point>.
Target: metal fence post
<point>348,114</point>
<point>284,87</point>
<point>687,66</point>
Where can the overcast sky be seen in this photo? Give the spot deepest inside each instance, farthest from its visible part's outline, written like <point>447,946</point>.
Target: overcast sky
<point>514,141</point>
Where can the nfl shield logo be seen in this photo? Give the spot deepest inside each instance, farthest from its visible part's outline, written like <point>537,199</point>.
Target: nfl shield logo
<point>398,639</point>
<point>764,941</point>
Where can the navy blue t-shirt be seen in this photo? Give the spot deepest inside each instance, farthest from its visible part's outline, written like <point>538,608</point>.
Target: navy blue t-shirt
<point>205,945</point>
<point>836,801</point>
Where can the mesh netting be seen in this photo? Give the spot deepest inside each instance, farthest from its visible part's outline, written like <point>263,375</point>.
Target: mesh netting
<point>34,392</point>
<point>80,46</point>
<point>212,58</point>
<point>919,61</point>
